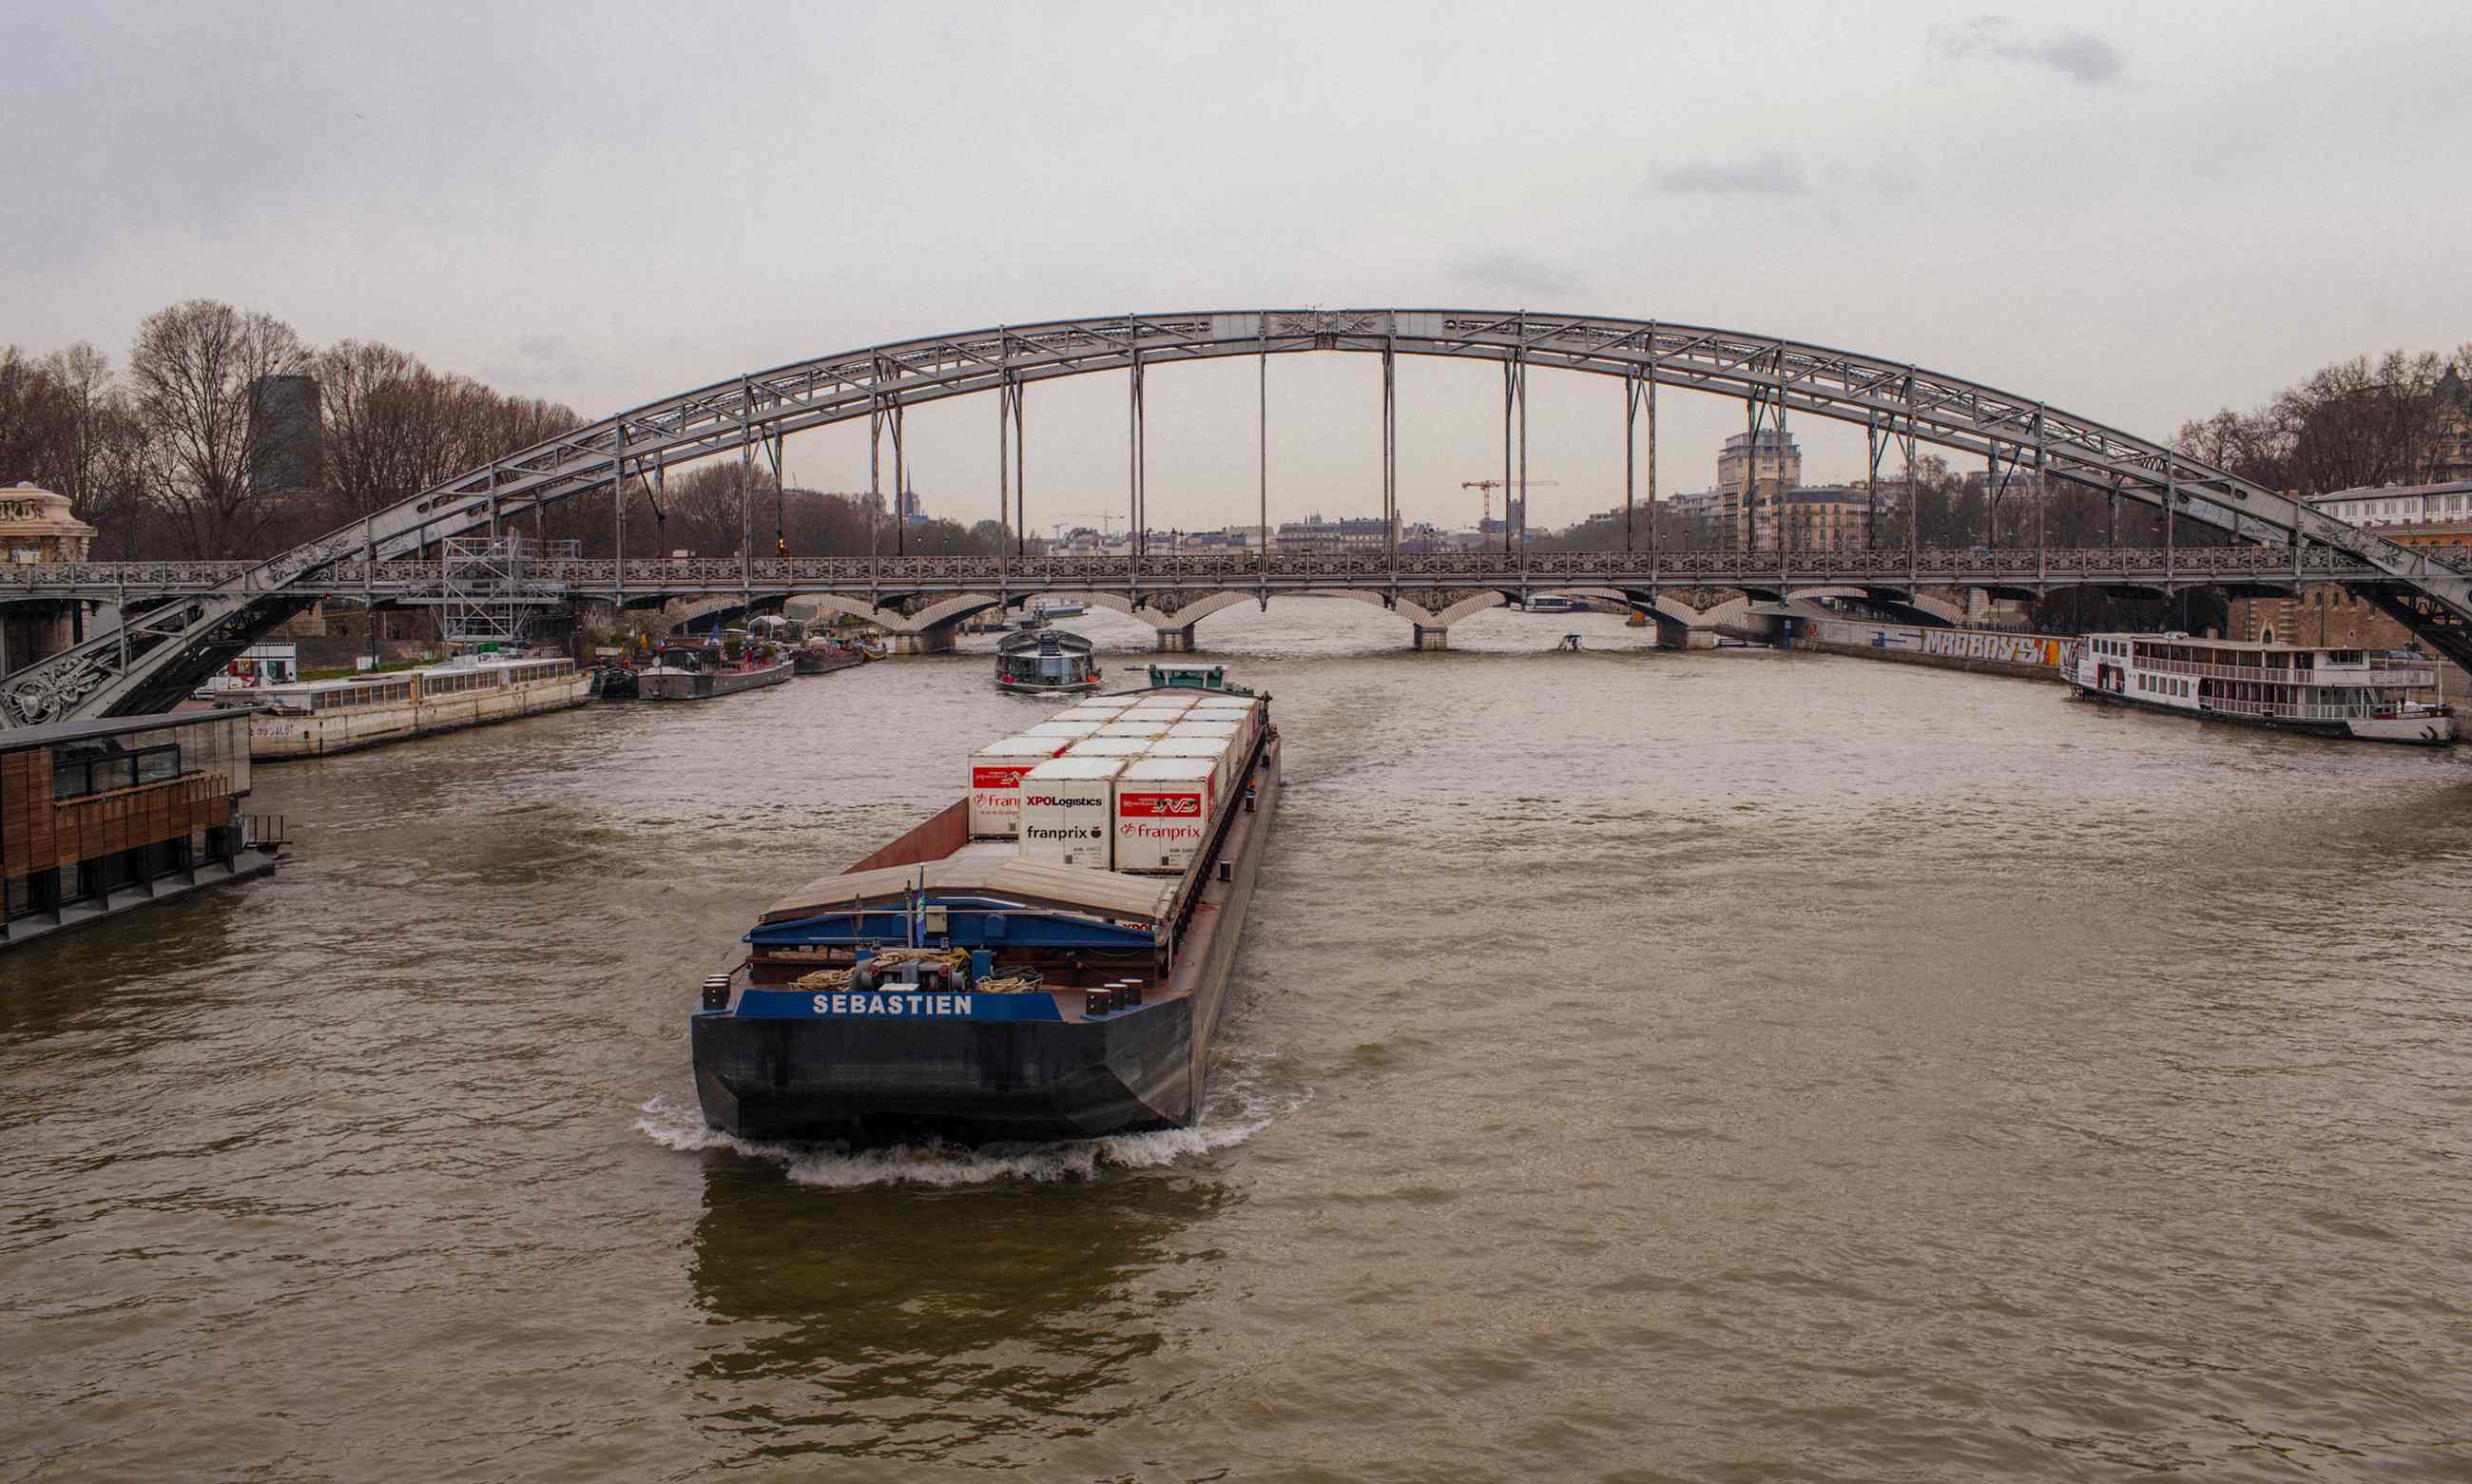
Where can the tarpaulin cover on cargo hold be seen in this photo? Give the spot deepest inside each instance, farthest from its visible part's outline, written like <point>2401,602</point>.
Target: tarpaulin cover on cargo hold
<point>992,870</point>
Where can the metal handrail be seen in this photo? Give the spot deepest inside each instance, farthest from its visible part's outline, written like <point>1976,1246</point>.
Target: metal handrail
<point>2394,673</point>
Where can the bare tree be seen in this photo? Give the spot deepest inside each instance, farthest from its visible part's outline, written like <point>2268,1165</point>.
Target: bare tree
<point>2359,423</point>
<point>34,420</point>
<point>196,368</point>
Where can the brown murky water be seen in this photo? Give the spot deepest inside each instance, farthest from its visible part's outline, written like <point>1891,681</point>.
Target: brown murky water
<point>1640,1067</point>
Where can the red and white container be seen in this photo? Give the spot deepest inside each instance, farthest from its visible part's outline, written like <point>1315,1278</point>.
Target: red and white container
<point>1163,811</point>
<point>996,771</point>
<point>1220,752</point>
<point>1142,729</point>
<point>1068,810</point>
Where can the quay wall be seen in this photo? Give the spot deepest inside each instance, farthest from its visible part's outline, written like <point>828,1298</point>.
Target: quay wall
<point>1984,651</point>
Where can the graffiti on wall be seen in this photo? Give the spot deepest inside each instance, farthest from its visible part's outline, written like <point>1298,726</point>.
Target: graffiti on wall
<point>1952,643</point>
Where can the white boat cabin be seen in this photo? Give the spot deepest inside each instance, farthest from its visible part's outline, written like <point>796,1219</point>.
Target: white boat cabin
<point>2336,691</point>
<point>411,687</point>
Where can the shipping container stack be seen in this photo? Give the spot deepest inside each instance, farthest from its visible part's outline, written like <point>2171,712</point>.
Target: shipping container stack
<point>1115,783</point>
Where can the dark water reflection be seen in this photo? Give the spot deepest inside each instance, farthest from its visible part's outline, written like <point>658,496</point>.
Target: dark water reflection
<point>1641,1066</point>
<point>975,1327</point>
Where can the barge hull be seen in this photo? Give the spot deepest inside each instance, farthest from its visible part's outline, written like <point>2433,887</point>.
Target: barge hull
<point>282,739</point>
<point>2407,731</point>
<point>878,1081</point>
<point>882,1081</point>
<point>671,685</point>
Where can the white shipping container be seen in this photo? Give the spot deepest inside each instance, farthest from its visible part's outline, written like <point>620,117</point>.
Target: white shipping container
<point>1070,731</point>
<point>1220,752</point>
<point>1068,810</point>
<point>1163,809</point>
<point>1178,703</point>
<point>1133,729</point>
<point>1246,713</point>
<point>995,782</point>
<point>1108,747</point>
<point>1206,729</point>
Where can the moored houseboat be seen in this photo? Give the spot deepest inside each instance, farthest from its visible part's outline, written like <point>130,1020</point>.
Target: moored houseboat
<point>2327,691</point>
<point>314,718</point>
<point>696,675</point>
<point>1046,659</point>
<point>823,656</point>
<point>1047,957</point>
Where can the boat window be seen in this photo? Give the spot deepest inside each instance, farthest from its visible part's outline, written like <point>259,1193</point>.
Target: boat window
<point>90,768</point>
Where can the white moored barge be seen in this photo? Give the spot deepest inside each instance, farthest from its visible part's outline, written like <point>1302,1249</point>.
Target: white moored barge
<point>2330,693</point>
<point>311,718</point>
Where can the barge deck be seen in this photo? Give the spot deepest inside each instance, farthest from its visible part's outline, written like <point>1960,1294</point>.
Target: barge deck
<point>1088,1005</point>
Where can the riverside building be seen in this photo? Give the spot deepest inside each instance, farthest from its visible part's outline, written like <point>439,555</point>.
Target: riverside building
<point>100,817</point>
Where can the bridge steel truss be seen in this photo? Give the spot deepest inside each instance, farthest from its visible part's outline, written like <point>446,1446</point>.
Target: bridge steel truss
<point>158,653</point>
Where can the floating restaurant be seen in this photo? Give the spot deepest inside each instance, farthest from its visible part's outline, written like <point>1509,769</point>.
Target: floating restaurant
<point>100,817</point>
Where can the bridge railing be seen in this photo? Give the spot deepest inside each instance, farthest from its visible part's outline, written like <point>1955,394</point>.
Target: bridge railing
<point>1289,569</point>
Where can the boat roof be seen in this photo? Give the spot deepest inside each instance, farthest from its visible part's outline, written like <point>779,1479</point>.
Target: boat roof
<point>1036,639</point>
<point>994,868</point>
<point>51,734</point>
<point>2236,644</point>
<point>460,665</point>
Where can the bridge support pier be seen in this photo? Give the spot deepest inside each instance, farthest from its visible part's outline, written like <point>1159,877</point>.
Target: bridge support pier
<point>928,640</point>
<point>1176,641</point>
<point>1433,637</point>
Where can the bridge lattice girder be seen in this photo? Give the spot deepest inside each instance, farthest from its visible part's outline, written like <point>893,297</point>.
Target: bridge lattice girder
<point>160,652</point>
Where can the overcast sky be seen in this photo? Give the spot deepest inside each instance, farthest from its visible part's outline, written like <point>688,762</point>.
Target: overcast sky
<point>2139,212</point>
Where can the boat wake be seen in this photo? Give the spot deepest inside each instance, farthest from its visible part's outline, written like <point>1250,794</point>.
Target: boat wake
<point>1246,1110</point>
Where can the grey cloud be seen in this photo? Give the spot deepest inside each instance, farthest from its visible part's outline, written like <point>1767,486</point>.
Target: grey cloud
<point>1765,175</point>
<point>1516,271</point>
<point>543,360</point>
<point>2079,55</point>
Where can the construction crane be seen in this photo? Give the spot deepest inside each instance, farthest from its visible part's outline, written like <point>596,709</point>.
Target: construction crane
<point>1491,485</point>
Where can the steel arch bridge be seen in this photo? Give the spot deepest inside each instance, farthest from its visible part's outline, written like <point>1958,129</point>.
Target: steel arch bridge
<point>158,653</point>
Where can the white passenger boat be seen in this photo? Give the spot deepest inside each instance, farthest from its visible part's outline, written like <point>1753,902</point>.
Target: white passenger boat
<point>313,717</point>
<point>2331,693</point>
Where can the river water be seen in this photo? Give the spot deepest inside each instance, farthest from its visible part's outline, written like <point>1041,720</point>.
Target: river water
<point>1639,1065</point>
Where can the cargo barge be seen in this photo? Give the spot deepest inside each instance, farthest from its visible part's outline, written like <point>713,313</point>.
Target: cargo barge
<point>2347,693</point>
<point>697,675</point>
<point>311,718</point>
<point>1048,957</point>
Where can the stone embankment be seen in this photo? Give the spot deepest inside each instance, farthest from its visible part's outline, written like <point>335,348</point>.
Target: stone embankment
<point>2025,656</point>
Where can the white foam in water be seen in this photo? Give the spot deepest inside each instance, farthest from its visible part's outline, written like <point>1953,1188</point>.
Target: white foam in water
<point>836,1166</point>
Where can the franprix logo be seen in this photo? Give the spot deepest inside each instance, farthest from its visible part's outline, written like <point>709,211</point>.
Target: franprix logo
<point>1158,806</point>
